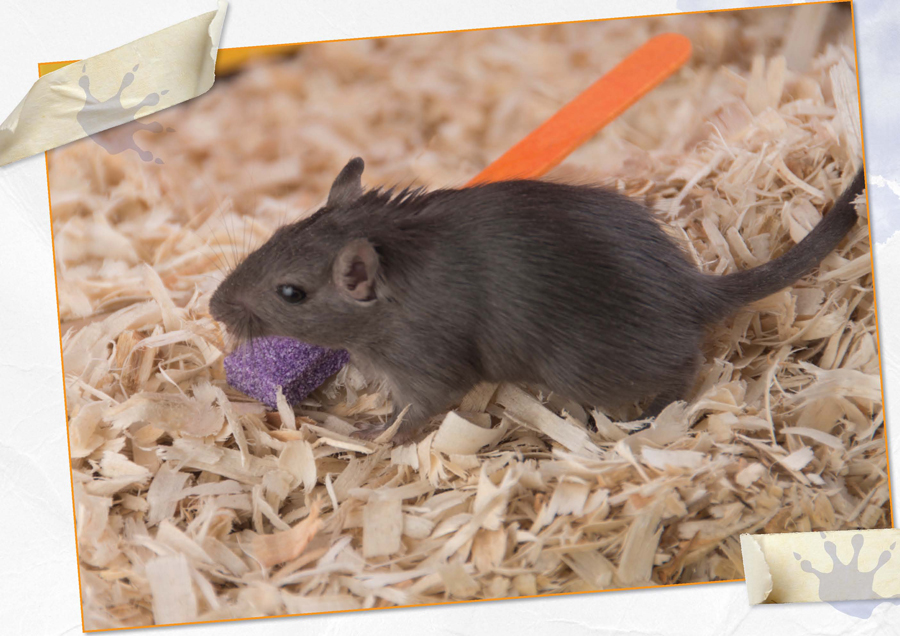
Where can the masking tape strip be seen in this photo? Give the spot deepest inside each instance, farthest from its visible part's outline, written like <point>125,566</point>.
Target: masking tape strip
<point>138,79</point>
<point>803,567</point>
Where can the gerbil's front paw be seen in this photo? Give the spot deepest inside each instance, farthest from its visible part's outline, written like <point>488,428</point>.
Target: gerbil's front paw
<point>407,432</point>
<point>370,430</point>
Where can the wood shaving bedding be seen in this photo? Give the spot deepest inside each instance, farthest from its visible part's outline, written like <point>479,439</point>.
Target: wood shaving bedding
<point>194,503</point>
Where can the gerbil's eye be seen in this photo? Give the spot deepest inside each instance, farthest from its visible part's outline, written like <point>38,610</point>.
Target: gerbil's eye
<point>291,294</point>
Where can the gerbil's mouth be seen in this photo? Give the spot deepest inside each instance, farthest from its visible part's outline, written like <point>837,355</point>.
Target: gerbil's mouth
<point>222,310</point>
<point>240,324</point>
<point>237,336</point>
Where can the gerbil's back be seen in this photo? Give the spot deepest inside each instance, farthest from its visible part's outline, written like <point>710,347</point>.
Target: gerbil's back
<point>538,273</point>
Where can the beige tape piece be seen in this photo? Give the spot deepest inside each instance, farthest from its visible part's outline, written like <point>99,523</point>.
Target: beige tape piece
<point>114,88</point>
<point>802,567</point>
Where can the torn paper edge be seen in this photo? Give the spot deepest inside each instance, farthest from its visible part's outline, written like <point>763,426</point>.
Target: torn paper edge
<point>177,62</point>
<point>764,556</point>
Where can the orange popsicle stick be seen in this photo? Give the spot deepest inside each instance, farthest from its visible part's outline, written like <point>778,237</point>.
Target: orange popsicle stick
<point>579,120</point>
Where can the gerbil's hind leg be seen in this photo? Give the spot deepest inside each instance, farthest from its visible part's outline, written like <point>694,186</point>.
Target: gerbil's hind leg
<point>679,390</point>
<point>658,405</point>
<point>415,422</point>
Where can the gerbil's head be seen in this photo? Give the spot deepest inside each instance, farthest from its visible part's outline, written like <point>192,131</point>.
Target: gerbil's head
<point>315,280</point>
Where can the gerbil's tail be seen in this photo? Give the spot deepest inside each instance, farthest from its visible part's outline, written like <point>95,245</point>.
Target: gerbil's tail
<point>735,290</point>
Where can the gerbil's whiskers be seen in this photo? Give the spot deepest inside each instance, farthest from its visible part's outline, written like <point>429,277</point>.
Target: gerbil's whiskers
<point>220,211</point>
<point>219,259</point>
<point>229,340</point>
<point>251,234</point>
<point>250,243</point>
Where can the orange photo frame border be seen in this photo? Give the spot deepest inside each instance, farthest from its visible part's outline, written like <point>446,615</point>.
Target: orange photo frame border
<point>231,60</point>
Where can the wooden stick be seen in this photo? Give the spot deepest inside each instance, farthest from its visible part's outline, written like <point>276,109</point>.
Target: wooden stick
<point>579,120</point>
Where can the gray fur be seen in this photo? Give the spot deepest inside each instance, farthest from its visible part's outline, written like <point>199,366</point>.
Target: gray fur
<point>573,288</point>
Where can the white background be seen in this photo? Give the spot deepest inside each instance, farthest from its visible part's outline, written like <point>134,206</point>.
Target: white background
<point>38,575</point>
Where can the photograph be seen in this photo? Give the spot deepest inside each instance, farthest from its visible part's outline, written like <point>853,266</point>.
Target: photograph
<point>471,315</point>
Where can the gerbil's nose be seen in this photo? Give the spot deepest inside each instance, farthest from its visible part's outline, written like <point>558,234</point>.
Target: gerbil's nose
<point>230,307</point>
<point>220,306</point>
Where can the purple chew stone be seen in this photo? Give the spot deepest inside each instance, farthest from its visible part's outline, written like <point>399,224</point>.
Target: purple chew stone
<point>260,366</point>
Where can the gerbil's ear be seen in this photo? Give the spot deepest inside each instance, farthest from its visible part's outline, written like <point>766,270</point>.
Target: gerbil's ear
<point>347,185</point>
<point>355,269</point>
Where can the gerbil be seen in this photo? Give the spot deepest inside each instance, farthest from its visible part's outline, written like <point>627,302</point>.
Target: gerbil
<point>572,288</point>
